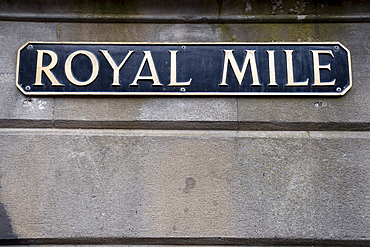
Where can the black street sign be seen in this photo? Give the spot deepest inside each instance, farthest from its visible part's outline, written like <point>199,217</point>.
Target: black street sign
<point>58,68</point>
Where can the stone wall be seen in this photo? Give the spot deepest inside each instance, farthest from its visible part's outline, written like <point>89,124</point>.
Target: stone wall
<point>146,170</point>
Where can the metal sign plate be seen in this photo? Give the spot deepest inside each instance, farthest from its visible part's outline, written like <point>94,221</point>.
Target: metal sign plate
<point>49,68</point>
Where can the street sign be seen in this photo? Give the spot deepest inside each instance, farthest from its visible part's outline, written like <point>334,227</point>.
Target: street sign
<point>59,68</point>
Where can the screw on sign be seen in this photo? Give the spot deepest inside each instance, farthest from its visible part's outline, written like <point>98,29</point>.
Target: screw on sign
<point>176,69</point>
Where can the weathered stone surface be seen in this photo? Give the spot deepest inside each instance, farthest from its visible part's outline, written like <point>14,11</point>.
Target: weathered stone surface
<point>187,113</point>
<point>123,32</point>
<point>115,183</point>
<point>15,108</point>
<point>188,10</point>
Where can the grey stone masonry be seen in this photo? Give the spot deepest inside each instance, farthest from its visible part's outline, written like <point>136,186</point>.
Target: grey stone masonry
<point>185,170</point>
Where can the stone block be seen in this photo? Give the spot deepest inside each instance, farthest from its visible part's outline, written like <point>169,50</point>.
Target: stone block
<point>245,113</point>
<point>185,184</point>
<point>16,109</point>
